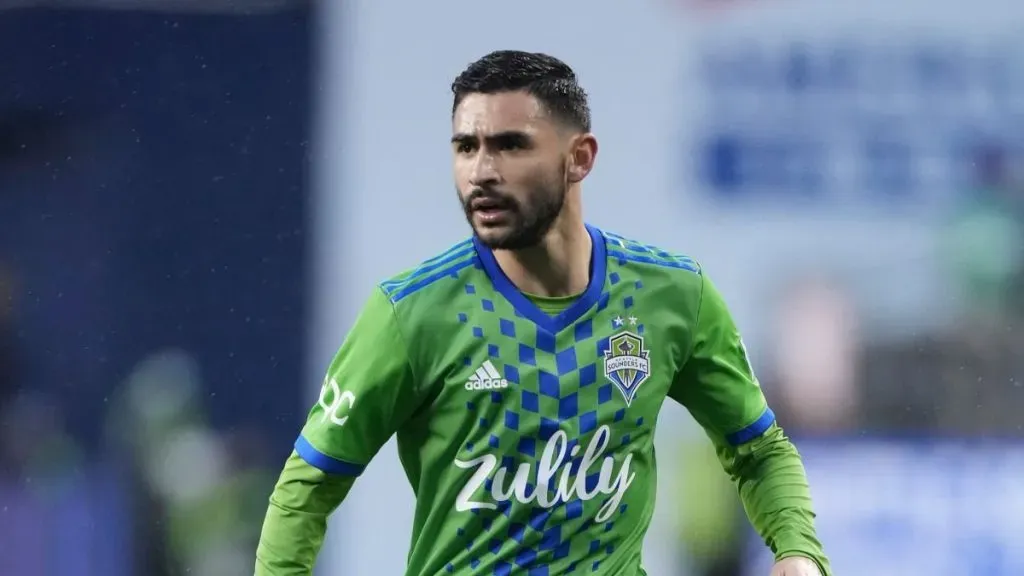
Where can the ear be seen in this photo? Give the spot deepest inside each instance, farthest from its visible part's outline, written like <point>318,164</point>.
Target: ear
<point>582,154</point>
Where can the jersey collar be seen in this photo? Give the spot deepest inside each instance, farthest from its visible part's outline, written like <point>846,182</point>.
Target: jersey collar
<point>526,308</point>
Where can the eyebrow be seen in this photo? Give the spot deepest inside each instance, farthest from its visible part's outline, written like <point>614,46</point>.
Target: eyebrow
<point>463,138</point>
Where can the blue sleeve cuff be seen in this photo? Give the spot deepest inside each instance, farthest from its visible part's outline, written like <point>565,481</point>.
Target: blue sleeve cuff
<point>321,461</point>
<point>758,427</point>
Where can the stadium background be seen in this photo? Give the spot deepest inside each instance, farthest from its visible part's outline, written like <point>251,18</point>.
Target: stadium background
<point>195,202</point>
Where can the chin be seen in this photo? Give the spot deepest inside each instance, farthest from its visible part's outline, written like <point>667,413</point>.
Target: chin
<point>492,238</point>
<point>507,241</point>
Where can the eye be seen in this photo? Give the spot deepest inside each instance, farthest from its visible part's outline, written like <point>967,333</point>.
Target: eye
<point>464,148</point>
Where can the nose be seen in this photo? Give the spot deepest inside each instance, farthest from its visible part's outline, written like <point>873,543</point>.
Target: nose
<point>484,172</point>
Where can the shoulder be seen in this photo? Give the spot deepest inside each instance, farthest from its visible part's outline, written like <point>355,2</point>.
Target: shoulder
<point>629,252</point>
<point>671,276</point>
<point>432,279</point>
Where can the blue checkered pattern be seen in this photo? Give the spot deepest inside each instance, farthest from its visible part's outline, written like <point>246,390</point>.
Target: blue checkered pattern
<point>555,383</point>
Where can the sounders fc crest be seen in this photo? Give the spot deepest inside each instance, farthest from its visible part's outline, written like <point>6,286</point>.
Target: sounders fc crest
<point>626,363</point>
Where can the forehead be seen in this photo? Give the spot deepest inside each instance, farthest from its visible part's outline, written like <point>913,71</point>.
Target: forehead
<point>502,112</point>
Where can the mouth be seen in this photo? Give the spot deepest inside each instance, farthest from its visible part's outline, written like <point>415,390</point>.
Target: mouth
<point>488,205</point>
<point>490,210</point>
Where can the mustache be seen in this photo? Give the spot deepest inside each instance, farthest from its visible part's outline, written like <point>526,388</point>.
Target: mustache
<point>492,197</point>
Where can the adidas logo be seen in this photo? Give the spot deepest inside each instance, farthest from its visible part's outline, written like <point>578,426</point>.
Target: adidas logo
<point>486,377</point>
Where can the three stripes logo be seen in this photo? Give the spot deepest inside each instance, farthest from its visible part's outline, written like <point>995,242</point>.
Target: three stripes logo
<point>486,377</point>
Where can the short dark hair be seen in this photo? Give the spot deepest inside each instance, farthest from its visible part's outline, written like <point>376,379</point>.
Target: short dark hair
<point>544,77</point>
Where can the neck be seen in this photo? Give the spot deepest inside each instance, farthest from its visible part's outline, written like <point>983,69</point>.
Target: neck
<point>558,266</point>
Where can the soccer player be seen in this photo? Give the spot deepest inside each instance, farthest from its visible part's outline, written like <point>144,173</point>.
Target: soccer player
<point>523,370</point>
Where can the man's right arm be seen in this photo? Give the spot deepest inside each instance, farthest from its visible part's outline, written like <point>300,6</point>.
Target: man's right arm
<point>369,392</point>
<point>296,521</point>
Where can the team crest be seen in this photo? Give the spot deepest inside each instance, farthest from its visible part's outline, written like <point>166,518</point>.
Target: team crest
<point>626,363</point>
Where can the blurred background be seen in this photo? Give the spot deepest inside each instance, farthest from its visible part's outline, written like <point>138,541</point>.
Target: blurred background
<point>197,197</point>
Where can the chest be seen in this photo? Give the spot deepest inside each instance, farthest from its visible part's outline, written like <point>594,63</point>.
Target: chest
<point>612,367</point>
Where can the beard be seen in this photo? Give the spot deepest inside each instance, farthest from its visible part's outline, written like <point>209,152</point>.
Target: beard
<point>529,220</point>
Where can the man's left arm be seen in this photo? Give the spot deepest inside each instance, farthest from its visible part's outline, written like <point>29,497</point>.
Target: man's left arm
<point>718,387</point>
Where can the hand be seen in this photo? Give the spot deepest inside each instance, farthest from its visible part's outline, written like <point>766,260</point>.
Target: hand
<point>796,566</point>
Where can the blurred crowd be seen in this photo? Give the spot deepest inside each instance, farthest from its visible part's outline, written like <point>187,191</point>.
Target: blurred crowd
<point>963,379</point>
<point>828,377</point>
<point>151,285</point>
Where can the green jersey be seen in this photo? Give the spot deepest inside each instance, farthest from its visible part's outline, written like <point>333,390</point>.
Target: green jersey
<point>527,432</point>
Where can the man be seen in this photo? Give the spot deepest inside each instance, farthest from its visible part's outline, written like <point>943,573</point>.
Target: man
<point>523,370</point>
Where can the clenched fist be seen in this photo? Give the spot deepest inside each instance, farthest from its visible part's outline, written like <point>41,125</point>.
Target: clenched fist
<point>795,566</point>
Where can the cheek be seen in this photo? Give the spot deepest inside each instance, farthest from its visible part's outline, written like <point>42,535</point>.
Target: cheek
<point>523,171</point>
<point>545,175</point>
<point>460,173</point>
